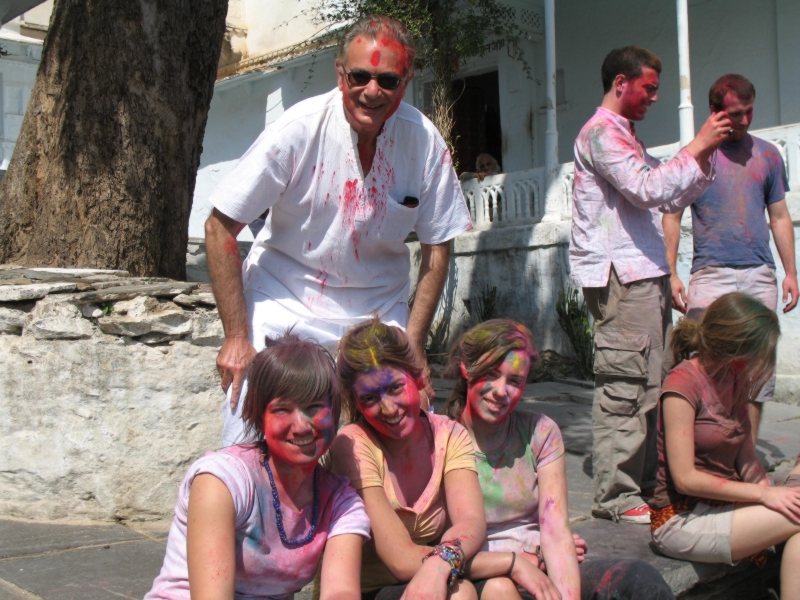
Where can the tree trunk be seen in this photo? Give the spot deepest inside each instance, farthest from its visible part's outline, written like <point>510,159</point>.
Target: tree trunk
<point>104,168</point>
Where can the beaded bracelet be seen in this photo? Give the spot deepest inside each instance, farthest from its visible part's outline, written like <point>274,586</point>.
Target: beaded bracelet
<point>450,551</point>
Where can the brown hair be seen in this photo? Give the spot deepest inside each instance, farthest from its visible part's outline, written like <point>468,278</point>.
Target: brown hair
<point>372,345</point>
<point>738,84</point>
<point>482,349</point>
<point>372,27</point>
<point>289,367</point>
<point>735,327</point>
<point>627,61</point>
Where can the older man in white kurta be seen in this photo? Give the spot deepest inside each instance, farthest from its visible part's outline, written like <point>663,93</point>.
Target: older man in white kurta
<point>346,176</point>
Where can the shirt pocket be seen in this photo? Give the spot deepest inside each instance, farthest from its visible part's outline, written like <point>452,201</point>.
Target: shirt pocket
<point>398,221</point>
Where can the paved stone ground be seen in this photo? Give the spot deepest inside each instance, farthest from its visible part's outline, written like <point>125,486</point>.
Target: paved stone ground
<point>53,561</point>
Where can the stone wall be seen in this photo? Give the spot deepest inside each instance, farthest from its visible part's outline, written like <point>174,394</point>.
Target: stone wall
<point>526,264</point>
<point>109,391</point>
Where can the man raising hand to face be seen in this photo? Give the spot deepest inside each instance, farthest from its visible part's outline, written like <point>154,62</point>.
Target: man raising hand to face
<point>617,255</point>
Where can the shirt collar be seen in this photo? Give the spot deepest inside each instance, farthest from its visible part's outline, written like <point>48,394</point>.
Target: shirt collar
<point>608,114</point>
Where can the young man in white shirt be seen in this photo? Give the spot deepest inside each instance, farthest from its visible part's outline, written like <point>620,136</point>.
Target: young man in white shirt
<point>346,176</point>
<point>617,255</point>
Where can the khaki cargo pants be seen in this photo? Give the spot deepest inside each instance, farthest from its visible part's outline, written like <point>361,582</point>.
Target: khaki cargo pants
<point>631,330</point>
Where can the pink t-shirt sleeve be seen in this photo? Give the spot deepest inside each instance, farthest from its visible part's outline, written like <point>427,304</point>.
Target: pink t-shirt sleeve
<point>233,473</point>
<point>348,514</point>
<point>547,444</point>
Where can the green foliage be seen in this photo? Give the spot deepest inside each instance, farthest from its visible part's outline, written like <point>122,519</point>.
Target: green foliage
<point>107,308</point>
<point>574,319</point>
<point>436,344</point>
<point>454,29</point>
<point>486,303</point>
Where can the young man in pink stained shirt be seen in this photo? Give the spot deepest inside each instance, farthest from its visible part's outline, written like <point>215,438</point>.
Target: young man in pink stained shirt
<point>618,256</point>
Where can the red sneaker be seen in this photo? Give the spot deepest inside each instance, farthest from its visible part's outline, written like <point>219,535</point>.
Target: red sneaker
<point>640,514</point>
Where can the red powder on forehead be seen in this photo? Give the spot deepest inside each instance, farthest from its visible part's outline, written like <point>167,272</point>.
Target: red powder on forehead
<point>396,48</point>
<point>376,58</point>
<point>358,40</point>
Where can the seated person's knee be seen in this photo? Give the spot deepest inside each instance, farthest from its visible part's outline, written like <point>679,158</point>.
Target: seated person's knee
<point>500,588</point>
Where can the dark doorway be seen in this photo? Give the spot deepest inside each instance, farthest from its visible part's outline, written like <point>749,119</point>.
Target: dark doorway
<point>477,120</point>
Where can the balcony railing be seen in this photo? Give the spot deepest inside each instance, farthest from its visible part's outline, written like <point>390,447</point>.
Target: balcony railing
<point>523,197</point>
<point>520,197</point>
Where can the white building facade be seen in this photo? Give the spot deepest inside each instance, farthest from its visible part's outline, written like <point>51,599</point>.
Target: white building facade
<point>274,55</point>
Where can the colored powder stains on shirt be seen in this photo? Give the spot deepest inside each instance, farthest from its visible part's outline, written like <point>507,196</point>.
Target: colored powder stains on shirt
<point>265,567</point>
<point>729,224</point>
<point>509,481</point>
<point>358,451</point>
<point>720,430</point>
<point>304,207</point>
<point>618,184</point>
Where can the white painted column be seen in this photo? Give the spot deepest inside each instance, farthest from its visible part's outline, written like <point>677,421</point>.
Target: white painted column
<point>553,196</point>
<point>685,108</point>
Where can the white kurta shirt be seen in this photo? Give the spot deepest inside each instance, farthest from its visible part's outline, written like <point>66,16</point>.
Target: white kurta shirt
<point>333,245</point>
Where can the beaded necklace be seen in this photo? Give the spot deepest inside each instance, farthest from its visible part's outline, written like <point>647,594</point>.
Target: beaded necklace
<point>279,517</point>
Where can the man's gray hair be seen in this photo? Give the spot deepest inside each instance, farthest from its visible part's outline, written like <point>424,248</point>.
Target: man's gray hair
<point>372,27</point>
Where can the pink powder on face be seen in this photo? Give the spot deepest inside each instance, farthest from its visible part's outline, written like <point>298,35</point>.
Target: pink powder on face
<point>349,105</point>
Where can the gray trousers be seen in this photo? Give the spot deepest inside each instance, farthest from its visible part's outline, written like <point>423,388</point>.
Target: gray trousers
<point>631,331</point>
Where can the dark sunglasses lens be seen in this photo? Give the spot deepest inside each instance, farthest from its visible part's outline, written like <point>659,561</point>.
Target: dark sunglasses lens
<point>359,78</point>
<point>388,81</point>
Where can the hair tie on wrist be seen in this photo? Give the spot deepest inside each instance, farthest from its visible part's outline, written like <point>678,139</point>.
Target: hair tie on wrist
<point>513,562</point>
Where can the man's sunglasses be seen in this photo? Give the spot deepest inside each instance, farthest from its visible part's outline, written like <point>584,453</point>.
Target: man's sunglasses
<point>360,78</point>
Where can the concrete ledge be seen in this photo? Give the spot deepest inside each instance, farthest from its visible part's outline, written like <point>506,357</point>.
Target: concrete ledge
<point>687,579</point>
<point>109,389</point>
<point>518,237</point>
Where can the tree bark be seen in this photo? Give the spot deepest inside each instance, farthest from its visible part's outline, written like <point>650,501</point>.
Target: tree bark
<point>105,164</point>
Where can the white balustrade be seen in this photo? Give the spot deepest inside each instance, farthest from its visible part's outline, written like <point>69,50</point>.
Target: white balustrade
<point>519,198</point>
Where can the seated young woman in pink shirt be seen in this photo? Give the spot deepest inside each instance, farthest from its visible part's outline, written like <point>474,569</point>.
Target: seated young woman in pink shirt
<point>713,501</point>
<point>522,474</point>
<point>252,521</point>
